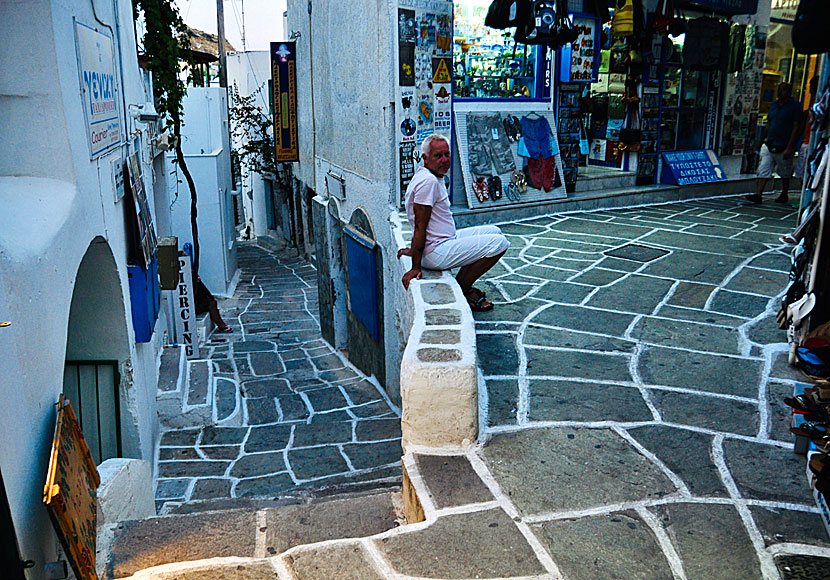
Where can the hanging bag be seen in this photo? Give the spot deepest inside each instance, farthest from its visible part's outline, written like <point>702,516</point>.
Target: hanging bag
<point>622,24</point>
<point>663,17</point>
<point>507,13</point>
<point>540,27</point>
<point>630,137</point>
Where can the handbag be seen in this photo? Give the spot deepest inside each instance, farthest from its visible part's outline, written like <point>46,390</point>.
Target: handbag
<point>622,24</point>
<point>630,137</point>
<point>663,17</point>
<point>506,13</point>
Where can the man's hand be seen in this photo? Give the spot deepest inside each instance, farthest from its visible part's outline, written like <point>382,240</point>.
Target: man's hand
<point>788,153</point>
<point>404,252</point>
<point>413,274</point>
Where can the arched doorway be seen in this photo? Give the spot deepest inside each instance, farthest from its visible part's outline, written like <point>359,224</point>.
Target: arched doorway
<point>96,346</point>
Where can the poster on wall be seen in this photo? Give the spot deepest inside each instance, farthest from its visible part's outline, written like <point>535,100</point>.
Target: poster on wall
<point>424,91</point>
<point>579,61</point>
<point>284,75</point>
<point>98,89</point>
<point>146,232</point>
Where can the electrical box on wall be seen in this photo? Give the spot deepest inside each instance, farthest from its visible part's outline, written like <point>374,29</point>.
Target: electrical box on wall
<point>336,186</point>
<point>167,253</point>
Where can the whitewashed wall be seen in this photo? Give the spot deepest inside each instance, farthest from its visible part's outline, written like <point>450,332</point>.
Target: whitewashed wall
<point>205,143</point>
<point>353,68</point>
<point>250,72</point>
<point>55,203</point>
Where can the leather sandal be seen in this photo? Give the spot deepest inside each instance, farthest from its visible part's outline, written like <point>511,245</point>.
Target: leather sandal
<point>478,303</point>
<point>480,189</point>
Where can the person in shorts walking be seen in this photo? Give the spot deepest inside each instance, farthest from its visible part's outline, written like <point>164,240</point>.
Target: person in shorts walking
<point>778,143</point>
<point>436,244</point>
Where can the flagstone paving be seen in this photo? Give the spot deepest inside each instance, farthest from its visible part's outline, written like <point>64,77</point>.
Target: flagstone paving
<point>634,372</point>
<point>289,412</point>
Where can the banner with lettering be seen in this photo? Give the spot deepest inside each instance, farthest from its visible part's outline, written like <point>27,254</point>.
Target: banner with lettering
<point>284,75</point>
<point>98,89</point>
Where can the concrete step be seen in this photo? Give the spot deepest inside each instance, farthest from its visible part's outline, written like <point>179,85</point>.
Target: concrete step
<point>245,535</point>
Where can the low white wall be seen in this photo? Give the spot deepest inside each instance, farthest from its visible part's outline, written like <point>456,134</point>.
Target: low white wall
<point>439,367</point>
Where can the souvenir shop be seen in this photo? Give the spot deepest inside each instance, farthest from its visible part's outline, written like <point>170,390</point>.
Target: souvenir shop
<point>805,307</point>
<point>534,117</point>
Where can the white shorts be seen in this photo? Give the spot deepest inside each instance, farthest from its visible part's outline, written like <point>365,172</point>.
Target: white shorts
<point>776,160</point>
<point>469,245</point>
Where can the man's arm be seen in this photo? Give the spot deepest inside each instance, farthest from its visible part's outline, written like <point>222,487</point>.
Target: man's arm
<point>419,240</point>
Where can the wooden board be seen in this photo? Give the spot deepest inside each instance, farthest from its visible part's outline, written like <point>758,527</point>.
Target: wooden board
<point>532,194</point>
<point>70,493</point>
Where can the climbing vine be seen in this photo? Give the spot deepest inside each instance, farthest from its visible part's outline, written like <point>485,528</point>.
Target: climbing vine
<point>168,57</point>
<point>253,141</point>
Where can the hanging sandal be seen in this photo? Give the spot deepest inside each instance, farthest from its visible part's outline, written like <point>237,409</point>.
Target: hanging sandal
<point>494,185</point>
<point>480,189</point>
<point>478,303</point>
<point>519,179</point>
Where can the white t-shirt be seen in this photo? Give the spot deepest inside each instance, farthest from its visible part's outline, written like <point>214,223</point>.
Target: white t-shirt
<point>427,189</point>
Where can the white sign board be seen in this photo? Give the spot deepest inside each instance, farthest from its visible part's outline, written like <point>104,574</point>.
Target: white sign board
<point>185,307</point>
<point>98,89</point>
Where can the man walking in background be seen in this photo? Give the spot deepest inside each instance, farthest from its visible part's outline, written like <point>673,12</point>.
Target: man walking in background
<point>778,143</point>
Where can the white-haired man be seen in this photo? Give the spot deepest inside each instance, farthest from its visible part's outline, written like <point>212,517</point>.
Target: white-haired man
<point>436,244</point>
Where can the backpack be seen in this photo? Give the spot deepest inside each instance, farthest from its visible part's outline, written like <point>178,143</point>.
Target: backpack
<point>548,24</point>
<point>540,27</point>
<point>810,27</point>
<point>506,13</point>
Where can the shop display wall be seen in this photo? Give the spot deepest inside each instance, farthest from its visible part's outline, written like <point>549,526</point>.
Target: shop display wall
<point>424,80</point>
<point>486,130</point>
<point>570,119</point>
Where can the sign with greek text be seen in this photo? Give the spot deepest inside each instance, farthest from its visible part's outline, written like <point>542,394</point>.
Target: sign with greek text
<point>185,307</point>
<point>688,167</point>
<point>98,89</point>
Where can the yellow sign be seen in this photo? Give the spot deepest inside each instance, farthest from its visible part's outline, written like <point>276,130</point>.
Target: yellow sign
<point>442,72</point>
<point>70,492</point>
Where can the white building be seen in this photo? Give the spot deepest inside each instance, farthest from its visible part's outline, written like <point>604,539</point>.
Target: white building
<point>72,111</point>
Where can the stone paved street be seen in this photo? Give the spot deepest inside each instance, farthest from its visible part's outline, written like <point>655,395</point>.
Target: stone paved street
<point>287,412</point>
<point>635,375</point>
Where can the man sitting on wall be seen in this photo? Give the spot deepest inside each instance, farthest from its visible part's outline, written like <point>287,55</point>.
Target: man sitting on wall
<point>436,244</point>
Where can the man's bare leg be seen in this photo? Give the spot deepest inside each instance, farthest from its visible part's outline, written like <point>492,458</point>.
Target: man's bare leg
<point>468,274</point>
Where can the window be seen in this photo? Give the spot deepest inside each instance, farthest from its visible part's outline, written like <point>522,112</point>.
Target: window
<point>488,63</point>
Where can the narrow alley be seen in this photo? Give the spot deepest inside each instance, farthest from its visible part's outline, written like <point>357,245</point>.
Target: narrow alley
<point>633,415</point>
<point>290,414</point>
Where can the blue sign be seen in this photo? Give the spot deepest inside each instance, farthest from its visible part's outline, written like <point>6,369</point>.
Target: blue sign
<point>688,167</point>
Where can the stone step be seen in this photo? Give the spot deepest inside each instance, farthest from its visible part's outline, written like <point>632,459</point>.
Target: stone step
<point>188,392</point>
<point>246,535</point>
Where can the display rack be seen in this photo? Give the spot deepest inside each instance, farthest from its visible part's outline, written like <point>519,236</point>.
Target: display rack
<point>569,120</point>
<point>649,129</point>
<point>532,194</point>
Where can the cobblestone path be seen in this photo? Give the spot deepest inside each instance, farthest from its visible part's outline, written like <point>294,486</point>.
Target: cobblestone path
<point>288,412</point>
<point>634,377</point>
